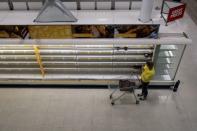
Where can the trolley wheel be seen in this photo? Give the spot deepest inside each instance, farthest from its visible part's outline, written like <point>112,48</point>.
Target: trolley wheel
<point>112,103</point>
<point>110,97</point>
<point>137,102</point>
<point>176,86</point>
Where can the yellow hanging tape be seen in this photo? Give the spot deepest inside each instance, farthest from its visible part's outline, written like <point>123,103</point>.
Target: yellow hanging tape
<point>39,60</point>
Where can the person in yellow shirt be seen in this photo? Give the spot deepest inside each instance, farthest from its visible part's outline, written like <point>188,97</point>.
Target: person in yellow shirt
<point>147,74</point>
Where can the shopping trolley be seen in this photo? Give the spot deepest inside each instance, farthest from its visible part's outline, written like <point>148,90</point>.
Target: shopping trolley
<point>126,86</point>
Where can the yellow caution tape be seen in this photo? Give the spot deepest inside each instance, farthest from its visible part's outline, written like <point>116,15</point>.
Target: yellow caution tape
<point>39,60</point>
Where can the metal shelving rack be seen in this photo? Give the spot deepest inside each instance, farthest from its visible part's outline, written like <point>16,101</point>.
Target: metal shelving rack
<point>64,60</point>
<point>89,59</point>
<point>169,58</point>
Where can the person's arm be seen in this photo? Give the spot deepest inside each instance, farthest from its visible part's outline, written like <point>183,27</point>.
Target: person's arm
<point>142,70</point>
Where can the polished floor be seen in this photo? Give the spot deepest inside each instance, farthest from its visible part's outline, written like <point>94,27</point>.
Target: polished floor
<point>191,8</point>
<point>90,110</point>
<point>42,109</point>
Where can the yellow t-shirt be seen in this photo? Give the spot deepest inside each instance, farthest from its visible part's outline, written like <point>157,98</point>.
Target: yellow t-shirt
<point>147,74</point>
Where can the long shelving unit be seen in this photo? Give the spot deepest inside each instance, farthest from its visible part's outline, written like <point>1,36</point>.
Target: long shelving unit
<point>89,59</point>
<point>99,59</point>
<point>74,60</point>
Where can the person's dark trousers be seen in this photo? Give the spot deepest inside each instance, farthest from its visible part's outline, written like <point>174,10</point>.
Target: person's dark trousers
<point>144,87</point>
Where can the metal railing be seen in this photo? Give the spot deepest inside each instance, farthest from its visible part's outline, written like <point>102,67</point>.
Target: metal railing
<point>78,3</point>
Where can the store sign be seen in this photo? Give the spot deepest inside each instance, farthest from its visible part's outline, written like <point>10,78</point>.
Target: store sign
<point>176,13</point>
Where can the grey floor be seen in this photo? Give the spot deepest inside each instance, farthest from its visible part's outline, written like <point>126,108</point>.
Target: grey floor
<point>90,110</point>
<point>191,8</point>
<point>28,109</point>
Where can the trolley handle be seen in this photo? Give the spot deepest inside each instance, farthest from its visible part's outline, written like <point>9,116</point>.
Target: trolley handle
<point>137,76</point>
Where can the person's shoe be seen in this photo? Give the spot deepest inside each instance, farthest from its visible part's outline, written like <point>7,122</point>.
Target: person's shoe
<point>139,95</point>
<point>142,98</point>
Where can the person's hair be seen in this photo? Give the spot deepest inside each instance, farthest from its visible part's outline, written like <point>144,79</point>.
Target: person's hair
<point>150,64</point>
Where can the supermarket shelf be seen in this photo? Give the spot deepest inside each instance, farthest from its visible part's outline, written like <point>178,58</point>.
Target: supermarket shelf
<point>66,77</point>
<point>92,64</point>
<point>77,60</point>
<point>110,42</point>
<point>165,61</point>
<point>162,78</point>
<point>17,58</point>
<point>163,72</point>
<point>18,69</point>
<point>167,54</point>
<point>76,52</point>
<point>168,47</point>
<point>75,70</point>
<point>85,58</point>
<point>64,59</point>
<point>164,66</point>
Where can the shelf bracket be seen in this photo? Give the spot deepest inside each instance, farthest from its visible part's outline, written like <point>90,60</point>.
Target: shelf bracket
<point>39,60</point>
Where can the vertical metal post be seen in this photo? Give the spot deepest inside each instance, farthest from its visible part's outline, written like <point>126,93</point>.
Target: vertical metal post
<point>146,11</point>
<point>43,1</point>
<point>162,8</point>
<point>78,5</point>
<point>179,62</point>
<point>10,5</point>
<point>95,4</point>
<point>27,5</point>
<point>112,4</point>
<point>156,55</point>
<point>130,4</point>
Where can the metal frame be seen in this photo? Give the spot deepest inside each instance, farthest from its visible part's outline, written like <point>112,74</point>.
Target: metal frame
<point>27,4</point>
<point>112,4</point>
<point>95,4</point>
<point>179,61</point>
<point>78,3</point>
<point>130,4</point>
<point>10,5</point>
<point>64,49</point>
<point>162,16</point>
<point>162,12</point>
<point>156,53</point>
<point>125,90</point>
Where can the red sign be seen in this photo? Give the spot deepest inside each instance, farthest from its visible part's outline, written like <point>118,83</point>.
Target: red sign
<point>176,13</point>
